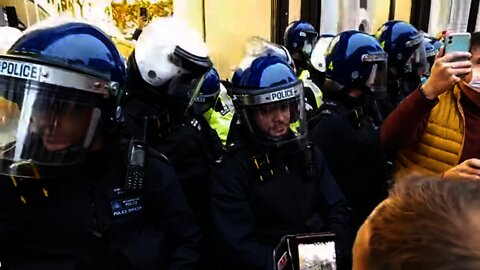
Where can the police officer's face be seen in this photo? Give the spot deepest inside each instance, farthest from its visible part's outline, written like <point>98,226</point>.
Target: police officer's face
<point>63,127</point>
<point>274,120</point>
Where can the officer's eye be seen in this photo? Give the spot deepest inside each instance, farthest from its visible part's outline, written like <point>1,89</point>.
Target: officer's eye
<point>263,111</point>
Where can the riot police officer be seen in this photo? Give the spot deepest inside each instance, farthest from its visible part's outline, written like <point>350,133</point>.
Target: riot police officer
<point>214,104</point>
<point>300,39</point>
<point>344,129</point>
<point>271,181</point>
<point>71,195</point>
<point>164,77</point>
<point>165,73</point>
<point>403,44</point>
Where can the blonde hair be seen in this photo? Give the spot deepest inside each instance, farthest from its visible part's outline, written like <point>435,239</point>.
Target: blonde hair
<point>427,223</point>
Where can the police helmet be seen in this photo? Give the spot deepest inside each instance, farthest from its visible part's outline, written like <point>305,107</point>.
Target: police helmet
<point>356,60</point>
<point>268,97</point>
<point>430,52</point>
<point>403,44</point>
<point>318,54</point>
<point>437,43</point>
<point>168,64</point>
<point>9,36</point>
<point>299,39</point>
<point>58,83</point>
<point>208,94</point>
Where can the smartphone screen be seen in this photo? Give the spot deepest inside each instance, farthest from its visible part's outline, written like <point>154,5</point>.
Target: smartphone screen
<point>320,255</point>
<point>313,251</point>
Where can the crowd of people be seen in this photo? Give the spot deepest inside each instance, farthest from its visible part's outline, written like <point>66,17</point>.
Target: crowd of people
<point>155,162</point>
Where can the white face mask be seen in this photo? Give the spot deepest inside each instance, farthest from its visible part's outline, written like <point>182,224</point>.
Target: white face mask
<point>475,85</point>
<point>307,49</point>
<point>475,81</point>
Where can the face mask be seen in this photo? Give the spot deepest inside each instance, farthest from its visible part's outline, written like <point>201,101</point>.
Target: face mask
<point>475,85</point>
<point>307,49</point>
<point>475,81</point>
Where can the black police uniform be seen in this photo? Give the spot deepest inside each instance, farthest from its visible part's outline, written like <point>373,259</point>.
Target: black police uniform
<point>398,90</point>
<point>89,221</point>
<point>191,145</point>
<point>350,141</point>
<point>257,199</point>
<point>187,140</point>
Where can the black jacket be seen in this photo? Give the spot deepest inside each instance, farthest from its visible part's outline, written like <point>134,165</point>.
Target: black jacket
<point>351,144</point>
<point>398,90</point>
<point>251,215</point>
<point>189,143</point>
<point>89,222</point>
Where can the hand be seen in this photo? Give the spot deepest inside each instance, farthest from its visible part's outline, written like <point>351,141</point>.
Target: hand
<point>445,72</point>
<point>469,169</point>
<point>142,21</point>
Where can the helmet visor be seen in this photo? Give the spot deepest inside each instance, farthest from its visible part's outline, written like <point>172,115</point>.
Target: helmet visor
<point>44,126</point>
<point>186,87</point>
<point>377,80</point>
<point>310,40</point>
<point>204,102</point>
<point>418,61</point>
<point>257,47</point>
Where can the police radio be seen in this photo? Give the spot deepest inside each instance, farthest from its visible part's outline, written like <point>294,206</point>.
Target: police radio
<point>135,165</point>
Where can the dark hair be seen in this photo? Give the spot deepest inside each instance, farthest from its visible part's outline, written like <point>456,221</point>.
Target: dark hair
<point>427,223</point>
<point>475,40</point>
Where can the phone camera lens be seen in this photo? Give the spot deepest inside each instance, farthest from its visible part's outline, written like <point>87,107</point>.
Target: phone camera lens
<point>449,42</point>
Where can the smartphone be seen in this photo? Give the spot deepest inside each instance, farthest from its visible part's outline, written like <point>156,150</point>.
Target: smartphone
<point>317,252</point>
<point>281,256</point>
<point>143,12</point>
<point>312,251</point>
<point>457,42</point>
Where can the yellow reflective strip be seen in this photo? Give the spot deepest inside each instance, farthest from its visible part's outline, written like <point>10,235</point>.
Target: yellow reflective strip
<point>14,181</point>
<point>256,163</point>
<point>305,75</point>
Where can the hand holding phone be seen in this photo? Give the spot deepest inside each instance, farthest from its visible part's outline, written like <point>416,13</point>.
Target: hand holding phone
<point>142,17</point>
<point>447,70</point>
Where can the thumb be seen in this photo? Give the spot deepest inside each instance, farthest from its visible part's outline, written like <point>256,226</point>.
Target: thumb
<point>440,53</point>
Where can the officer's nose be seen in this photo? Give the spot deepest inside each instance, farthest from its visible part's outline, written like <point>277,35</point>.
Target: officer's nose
<point>279,114</point>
